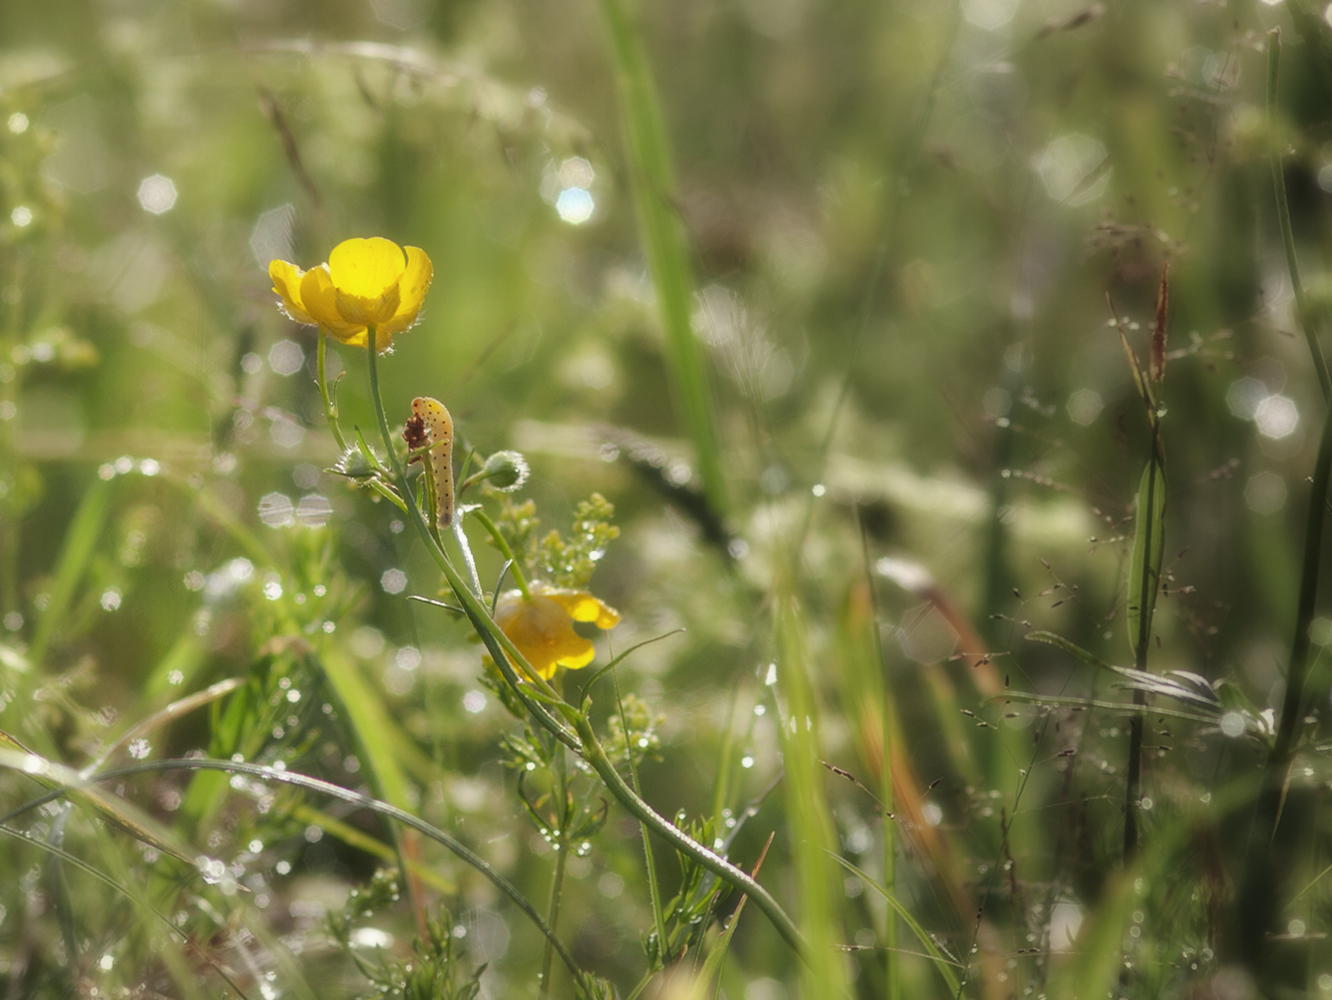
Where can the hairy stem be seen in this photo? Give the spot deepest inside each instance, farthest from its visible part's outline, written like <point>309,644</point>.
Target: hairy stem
<point>330,407</point>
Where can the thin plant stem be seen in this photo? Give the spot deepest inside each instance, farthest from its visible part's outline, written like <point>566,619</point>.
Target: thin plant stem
<point>653,189</point>
<point>561,853</point>
<point>654,889</point>
<point>887,804</point>
<point>1258,904</point>
<point>502,544</point>
<point>296,780</point>
<point>901,172</point>
<point>1283,219</point>
<point>1133,786</point>
<point>1257,900</point>
<point>596,756</point>
<point>330,407</point>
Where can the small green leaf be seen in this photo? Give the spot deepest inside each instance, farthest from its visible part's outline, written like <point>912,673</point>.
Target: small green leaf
<point>1148,549</point>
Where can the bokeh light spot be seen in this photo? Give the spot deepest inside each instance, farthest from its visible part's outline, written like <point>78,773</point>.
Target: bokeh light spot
<point>575,205</point>
<point>157,194</point>
<point>1277,417</point>
<point>1265,493</point>
<point>1084,406</point>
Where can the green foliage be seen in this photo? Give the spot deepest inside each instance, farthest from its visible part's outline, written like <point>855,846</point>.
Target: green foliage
<point>632,732</point>
<point>559,560</point>
<point>810,301</point>
<point>433,971</point>
<point>688,913</point>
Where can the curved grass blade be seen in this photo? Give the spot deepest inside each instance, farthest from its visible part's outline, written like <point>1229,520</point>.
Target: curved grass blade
<point>124,816</point>
<point>374,805</point>
<point>1122,707</point>
<point>77,550</point>
<point>945,964</point>
<point>175,710</point>
<point>77,862</point>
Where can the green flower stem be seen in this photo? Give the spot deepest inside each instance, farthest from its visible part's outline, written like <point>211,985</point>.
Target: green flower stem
<point>583,741</point>
<point>330,407</point>
<point>1283,218</point>
<point>654,889</point>
<point>596,756</point>
<point>502,544</point>
<point>557,878</point>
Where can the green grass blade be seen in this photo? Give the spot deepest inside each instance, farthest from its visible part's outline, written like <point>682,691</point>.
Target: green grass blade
<point>654,196</point>
<point>945,965</point>
<point>77,550</point>
<point>812,831</point>
<point>1148,549</point>
<point>380,807</point>
<point>1283,219</point>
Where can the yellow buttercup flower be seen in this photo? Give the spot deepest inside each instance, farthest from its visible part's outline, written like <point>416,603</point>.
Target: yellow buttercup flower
<point>366,282</point>
<point>542,628</point>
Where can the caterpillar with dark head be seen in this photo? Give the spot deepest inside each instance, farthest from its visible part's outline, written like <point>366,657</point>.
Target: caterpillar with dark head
<point>439,459</point>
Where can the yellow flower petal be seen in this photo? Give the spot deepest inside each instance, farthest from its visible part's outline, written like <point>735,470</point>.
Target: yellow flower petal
<point>412,288</point>
<point>365,274</point>
<point>287,283</point>
<point>542,628</point>
<point>583,607</point>
<point>320,299</point>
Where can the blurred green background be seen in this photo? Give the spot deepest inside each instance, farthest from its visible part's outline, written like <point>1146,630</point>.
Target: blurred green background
<point>903,221</point>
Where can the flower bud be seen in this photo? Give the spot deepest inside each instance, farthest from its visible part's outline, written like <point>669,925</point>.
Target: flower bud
<point>505,471</point>
<point>355,464</point>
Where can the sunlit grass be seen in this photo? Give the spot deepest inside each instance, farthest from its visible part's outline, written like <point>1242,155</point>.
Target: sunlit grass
<point>950,567</point>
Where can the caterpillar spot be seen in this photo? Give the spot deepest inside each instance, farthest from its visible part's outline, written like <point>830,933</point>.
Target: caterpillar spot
<point>432,416</point>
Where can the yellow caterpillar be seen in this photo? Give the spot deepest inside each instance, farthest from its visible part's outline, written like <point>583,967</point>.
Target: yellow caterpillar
<point>435,416</point>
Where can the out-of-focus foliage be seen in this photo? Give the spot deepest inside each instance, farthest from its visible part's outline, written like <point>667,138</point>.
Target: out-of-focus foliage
<point>903,222</point>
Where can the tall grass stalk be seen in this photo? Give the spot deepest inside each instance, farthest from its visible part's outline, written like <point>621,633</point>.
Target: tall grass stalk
<point>1303,316</point>
<point>815,842</point>
<point>653,186</point>
<point>1259,891</point>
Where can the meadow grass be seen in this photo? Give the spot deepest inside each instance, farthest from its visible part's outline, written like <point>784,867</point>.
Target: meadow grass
<point>891,452</point>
